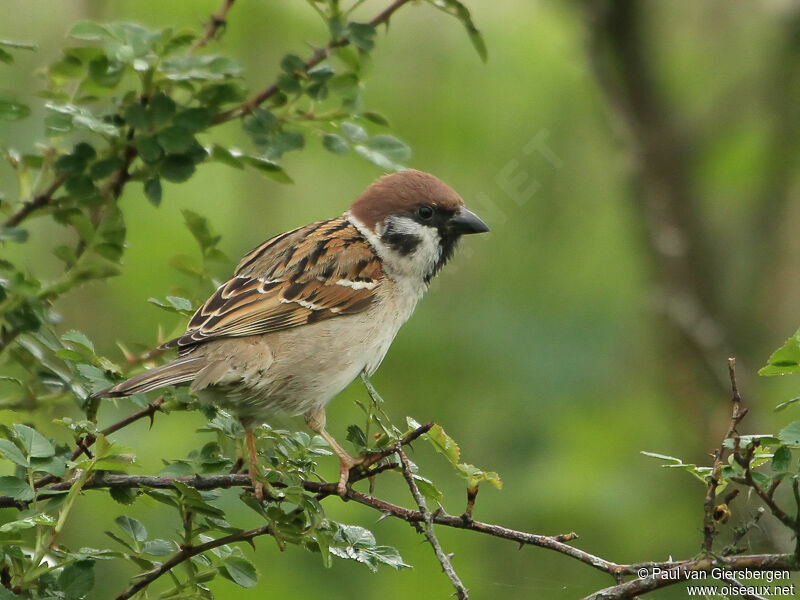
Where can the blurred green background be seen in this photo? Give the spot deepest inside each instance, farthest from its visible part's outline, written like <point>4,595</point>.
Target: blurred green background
<point>540,348</point>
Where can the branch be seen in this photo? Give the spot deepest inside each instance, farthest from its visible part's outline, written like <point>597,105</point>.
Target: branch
<point>672,573</point>
<point>737,414</point>
<point>317,57</point>
<point>84,443</point>
<point>427,518</point>
<point>188,552</point>
<point>36,203</point>
<point>215,22</point>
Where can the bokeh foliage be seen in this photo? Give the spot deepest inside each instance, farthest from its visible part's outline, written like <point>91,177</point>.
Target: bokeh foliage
<point>551,366</point>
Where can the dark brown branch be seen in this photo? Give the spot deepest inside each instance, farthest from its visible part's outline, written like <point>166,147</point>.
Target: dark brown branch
<point>427,529</point>
<point>215,22</point>
<point>188,552</point>
<point>317,57</point>
<point>682,571</point>
<point>36,203</point>
<point>148,411</point>
<point>710,504</point>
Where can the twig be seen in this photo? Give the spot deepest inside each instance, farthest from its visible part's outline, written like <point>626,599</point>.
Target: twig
<point>148,411</point>
<point>427,518</point>
<point>709,506</point>
<point>671,574</point>
<point>317,57</point>
<point>188,552</point>
<point>215,22</point>
<point>36,203</point>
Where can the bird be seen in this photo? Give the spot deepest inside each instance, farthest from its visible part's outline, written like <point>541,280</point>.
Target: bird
<point>308,311</point>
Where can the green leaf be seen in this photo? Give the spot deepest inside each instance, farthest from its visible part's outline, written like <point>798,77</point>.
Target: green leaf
<point>200,229</point>
<point>11,452</point>
<point>444,444</point>
<point>175,139</point>
<point>80,186</point>
<point>106,73</point>
<point>161,109</point>
<point>476,476</point>
<point>97,377</point>
<point>376,118</point>
<point>149,150</point>
<point>13,234</point>
<point>89,30</point>
<point>356,543</point>
<point>125,496</point>
<point>137,116</point>
<point>76,337</point>
<point>152,189</point>
<point>69,115</point>
<point>292,63</point>
<point>268,168</point>
<point>781,459</point>
<point>335,143</point>
<point>224,155</point>
<point>177,168</point>
<point>16,488</point>
<point>427,489</point>
<point>10,110</point>
<point>362,35</point>
<point>158,547</point>
<point>174,304</point>
<point>785,359</point>
<point>241,571</point>
<point>103,168</point>
<point>132,528</point>
<point>355,132</point>
<point>790,435</point>
<point>34,444</point>
<point>77,579</point>
<point>6,57</point>
<point>461,12</point>
<point>193,119</point>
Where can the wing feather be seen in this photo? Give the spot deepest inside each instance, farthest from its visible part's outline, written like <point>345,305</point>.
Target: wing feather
<point>312,273</point>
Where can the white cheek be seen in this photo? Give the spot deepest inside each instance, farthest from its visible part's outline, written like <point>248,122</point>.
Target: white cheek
<point>421,261</point>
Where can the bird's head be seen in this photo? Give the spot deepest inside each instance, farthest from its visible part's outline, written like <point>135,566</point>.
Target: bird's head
<point>414,221</point>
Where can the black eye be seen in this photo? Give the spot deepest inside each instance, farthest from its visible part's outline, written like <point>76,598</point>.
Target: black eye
<point>425,212</point>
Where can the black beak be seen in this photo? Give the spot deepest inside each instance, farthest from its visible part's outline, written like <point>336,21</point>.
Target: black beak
<point>465,221</point>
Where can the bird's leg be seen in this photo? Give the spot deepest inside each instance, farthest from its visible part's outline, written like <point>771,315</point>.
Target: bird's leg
<point>258,487</point>
<point>315,419</point>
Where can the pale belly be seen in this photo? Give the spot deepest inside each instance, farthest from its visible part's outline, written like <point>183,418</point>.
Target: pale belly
<point>297,370</point>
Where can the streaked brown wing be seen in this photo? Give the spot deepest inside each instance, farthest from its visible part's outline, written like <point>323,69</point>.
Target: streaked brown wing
<point>316,272</point>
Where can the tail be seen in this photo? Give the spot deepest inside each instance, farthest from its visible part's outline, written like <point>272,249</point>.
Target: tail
<point>180,370</point>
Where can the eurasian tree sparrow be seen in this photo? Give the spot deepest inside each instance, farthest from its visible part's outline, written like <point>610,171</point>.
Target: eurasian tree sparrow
<point>309,310</point>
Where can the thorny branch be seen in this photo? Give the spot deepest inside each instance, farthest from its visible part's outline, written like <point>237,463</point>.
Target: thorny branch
<point>427,528</point>
<point>678,570</point>
<point>215,22</point>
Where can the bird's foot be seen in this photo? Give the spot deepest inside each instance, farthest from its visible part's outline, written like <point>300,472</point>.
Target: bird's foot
<point>346,463</point>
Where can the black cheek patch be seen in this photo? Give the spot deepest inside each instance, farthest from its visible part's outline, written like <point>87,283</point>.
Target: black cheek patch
<point>404,243</point>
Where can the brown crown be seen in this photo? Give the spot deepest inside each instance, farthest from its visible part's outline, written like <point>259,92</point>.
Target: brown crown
<point>402,192</point>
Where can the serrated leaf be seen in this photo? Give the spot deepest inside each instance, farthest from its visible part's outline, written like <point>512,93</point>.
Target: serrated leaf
<point>224,155</point>
<point>461,12</point>
<point>785,359</point>
<point>34,444</point>
<point>158,547</point>
<point>89,30</point>
<point>790,435</point>
<point>781,459</point>
<point>16,488</point>
<point>10,450</point>
<point>177,168</point>
<point>77,579</point>
<point>132,528</point>
<point>152,190</point>
<point>174,304</point>
<point>175,139</point>
<point>241,571</point>
<point>444,444</point>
